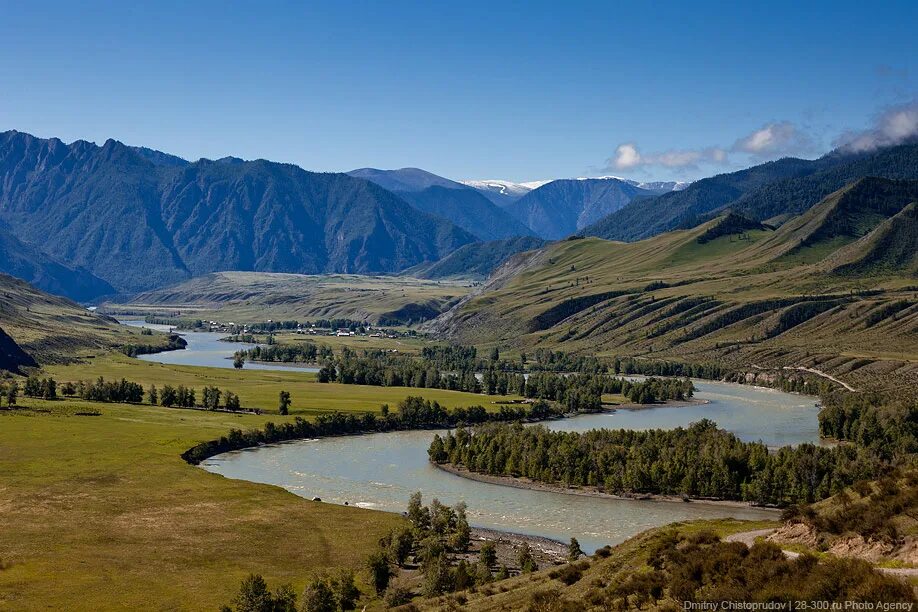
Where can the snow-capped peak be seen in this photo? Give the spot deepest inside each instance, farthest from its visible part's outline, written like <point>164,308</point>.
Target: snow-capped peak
<point>512,189</point>
<point>508,188</point>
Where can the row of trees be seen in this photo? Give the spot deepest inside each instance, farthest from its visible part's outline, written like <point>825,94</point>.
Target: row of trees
<point>300,352</point>
<point>128,392</point>
<point>700,461</point>
<point>174,343</point>
<point>578,392</point>
<point>410,413</point>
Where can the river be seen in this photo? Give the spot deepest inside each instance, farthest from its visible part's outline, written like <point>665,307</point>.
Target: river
<point>208,350</point>
<point>380,471</point>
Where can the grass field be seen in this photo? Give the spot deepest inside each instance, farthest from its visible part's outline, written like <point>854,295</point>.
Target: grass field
<point>260,388</point>
<point>100,513</point>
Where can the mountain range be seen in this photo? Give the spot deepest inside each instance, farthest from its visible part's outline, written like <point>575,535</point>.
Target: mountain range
<point>466,207</point>
<point>129,219</point>
<point>560,208</point>
<point>139,219</point>
<point>771,191</point>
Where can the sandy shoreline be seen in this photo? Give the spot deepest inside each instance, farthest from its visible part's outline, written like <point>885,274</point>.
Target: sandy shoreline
<point>524,483</point>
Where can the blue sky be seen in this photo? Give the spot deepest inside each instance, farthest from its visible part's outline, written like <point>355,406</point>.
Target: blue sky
<point>522,91</point>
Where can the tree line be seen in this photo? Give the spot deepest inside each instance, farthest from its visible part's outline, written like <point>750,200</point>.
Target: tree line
<point>886,425</point>
<point>174,343</point>
<point>410,413</point>
<point>578,392</point>
<point>300,352</point>
<point>699,461</point>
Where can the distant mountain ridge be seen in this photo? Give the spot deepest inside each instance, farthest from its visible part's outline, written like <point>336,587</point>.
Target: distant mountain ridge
<point>31,265</point>
<point>140,219</point>
<point>770,191</point>
<point>456,202</point>
<point>560,208</point>
<point>477,260</point>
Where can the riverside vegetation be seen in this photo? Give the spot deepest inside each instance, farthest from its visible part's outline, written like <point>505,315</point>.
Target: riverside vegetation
<point>700,461</point>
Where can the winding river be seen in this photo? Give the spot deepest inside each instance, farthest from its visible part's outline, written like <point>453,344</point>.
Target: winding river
<point>208,350</point>
<point>380,471</point>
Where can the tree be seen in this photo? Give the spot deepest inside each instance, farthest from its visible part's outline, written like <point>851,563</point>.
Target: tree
<point>283,402</point>
<point>168,397</point>
<point>253,595</point>
<point>438,578</point>
<point>11,392</point>
<point>152,396</point>
<point>238,360</point>
<point>211,399</point>
<point>402,542</point>
<point>525,559</point>
<point>232,401</point>
<point>488,554</point>
<point>380,572</point>
<point>463,577</point>
<point>346,592</point>
<point>319,597</point>
<point>573,550</point>
<point>495,354</point>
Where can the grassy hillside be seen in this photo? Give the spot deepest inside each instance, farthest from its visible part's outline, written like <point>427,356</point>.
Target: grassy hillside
<point>101,513</point>
<point>53,329</point>
<point>751,298</point>
<point>662,568</point>
<point>258,296</point>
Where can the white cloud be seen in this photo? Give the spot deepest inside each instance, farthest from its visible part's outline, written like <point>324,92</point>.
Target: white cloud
<point>896,125</point>
<point>627,157</point>
<point>774,139</point>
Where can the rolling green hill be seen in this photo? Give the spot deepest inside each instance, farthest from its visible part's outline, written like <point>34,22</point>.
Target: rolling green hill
<point>750,298</point>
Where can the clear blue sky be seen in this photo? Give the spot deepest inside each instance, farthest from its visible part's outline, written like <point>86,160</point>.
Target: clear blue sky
<point>521,91</point>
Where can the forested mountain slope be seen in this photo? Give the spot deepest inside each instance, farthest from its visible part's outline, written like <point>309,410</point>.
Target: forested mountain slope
<point>139,224</point>
<point>28,263</point>
<point>772,191</point>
